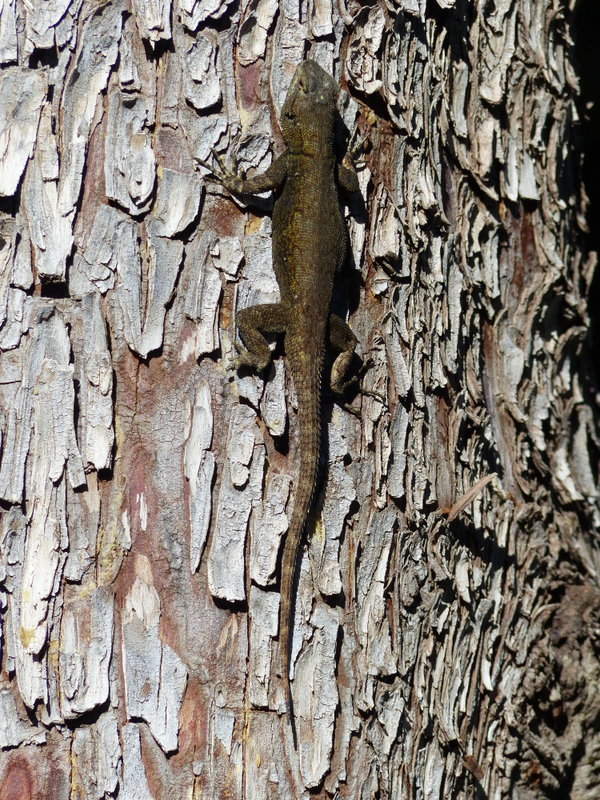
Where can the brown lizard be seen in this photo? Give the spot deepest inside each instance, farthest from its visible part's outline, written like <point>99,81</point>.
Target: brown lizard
<point>310,243</point>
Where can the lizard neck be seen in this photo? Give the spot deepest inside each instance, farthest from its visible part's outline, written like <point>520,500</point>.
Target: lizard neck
<point>312,137</point>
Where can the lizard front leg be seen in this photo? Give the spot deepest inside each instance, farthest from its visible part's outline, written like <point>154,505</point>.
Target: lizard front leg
<point>238,184</point>
<point>251,324</point>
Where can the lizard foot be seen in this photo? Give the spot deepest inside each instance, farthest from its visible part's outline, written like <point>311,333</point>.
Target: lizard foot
<point>246,360</point>
<point>354,149</point>
<point>221,173</point>
<point>369,392</point>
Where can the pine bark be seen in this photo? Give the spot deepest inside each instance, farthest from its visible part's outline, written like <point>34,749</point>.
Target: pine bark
<point>446,641</point>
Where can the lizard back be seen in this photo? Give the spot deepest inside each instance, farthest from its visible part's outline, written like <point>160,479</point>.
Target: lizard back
<point>309,246</point>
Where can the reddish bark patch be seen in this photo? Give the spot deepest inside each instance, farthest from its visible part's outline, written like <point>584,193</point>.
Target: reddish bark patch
<point>249,87</point>
<point>17,783</point>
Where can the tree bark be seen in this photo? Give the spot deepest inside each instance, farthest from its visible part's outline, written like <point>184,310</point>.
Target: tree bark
<point>446,638</point>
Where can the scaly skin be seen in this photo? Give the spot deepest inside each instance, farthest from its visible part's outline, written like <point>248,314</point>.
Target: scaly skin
<point>309,247</point>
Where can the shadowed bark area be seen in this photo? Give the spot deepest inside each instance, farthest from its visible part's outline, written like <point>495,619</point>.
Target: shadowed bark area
<point>445,641</point>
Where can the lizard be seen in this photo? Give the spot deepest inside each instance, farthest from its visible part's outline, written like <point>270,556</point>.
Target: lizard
<point>309,245</point>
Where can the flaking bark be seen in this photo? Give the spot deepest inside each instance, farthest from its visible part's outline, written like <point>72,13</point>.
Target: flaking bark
<point>448,598</point>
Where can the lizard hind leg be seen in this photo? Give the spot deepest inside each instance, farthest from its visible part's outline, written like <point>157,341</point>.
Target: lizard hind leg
<point>252,323</point>
<point>341,338</point>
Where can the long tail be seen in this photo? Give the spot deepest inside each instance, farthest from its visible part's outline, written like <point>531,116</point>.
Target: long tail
<point>307,383</point>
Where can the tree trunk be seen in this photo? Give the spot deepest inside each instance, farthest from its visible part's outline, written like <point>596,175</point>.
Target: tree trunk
<point>447,610</point>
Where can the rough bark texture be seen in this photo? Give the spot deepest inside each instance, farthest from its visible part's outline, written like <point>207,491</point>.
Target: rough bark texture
<point>448,606</point>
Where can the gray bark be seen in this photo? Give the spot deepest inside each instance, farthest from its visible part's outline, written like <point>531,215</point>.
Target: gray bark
<point>446,624</point>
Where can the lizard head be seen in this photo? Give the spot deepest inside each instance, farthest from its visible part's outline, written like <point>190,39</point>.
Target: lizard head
<point>310,104</point>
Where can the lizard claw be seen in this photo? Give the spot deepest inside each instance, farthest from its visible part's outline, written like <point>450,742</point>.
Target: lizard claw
<point>219,173</point>
<point>213,175</point>
<point>355,146</point>
<point>220,161</point>
<point>367,365</point>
